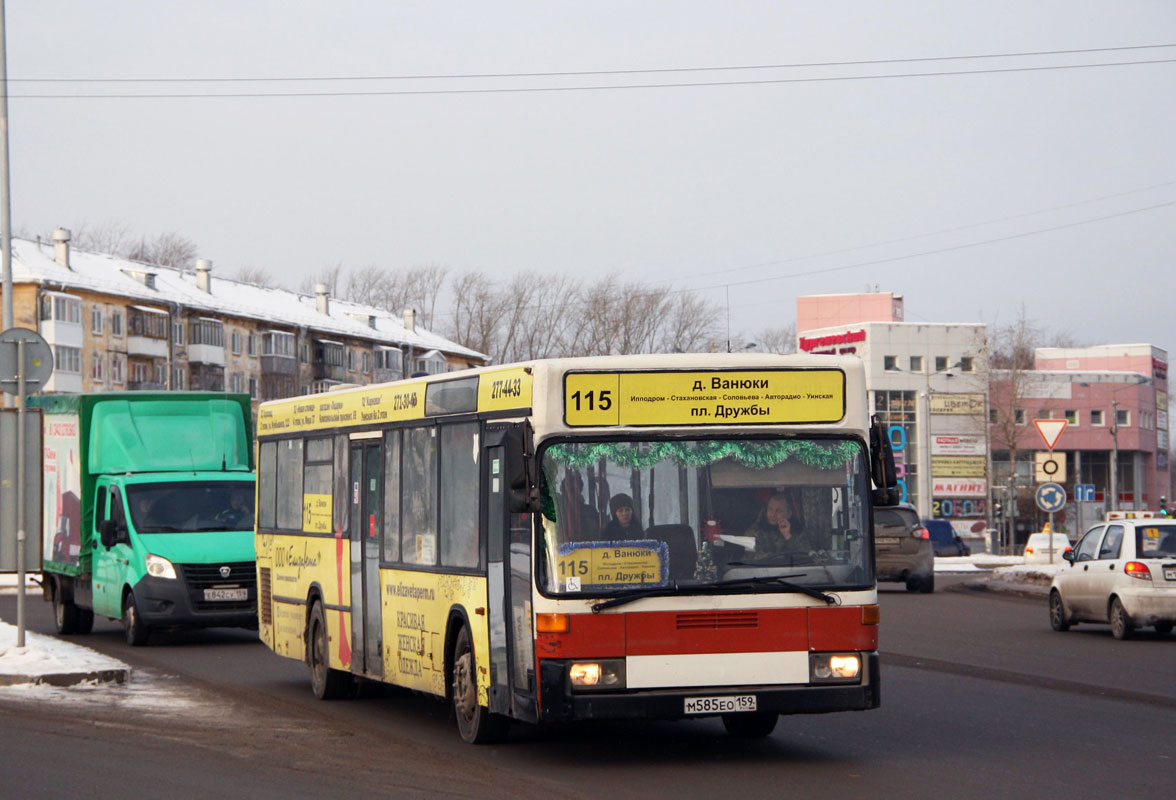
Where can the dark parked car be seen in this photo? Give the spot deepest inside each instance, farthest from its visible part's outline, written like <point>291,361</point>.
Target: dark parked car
<point>902,548</point>
<point>944,538</point>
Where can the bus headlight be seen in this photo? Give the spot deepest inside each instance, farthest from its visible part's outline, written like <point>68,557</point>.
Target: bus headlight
<point>159,567</point>
<point>603,675</point>
<point>835,667</point>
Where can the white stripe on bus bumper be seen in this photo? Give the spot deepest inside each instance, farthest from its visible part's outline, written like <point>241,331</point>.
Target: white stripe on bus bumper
<point>716,669</point>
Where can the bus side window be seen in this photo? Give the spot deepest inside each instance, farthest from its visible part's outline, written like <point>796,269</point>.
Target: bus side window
<point>459,495</point>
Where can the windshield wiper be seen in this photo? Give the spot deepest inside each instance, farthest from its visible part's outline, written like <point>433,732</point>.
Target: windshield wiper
<point>661,591</point>
<point>781,580</point>
<point>713,588</point>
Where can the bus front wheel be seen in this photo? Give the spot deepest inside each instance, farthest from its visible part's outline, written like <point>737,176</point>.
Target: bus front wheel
<point>328,683</point>
<point>475,722</point>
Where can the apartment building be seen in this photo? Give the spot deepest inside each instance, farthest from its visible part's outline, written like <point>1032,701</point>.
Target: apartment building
<point>115,324</point>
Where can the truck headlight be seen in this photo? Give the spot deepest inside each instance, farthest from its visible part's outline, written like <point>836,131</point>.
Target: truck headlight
<point>835,667</point>
<point>159,567</point>
<point>602,675</point>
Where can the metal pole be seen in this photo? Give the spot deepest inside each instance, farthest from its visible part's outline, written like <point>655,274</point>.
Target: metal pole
<point>1114,456</point>
<point>1051,532</point>
<point>5,211</point>
<point>21,478</point>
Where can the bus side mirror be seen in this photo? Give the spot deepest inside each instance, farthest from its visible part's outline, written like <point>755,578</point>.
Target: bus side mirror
<point>882,470</point>
<point>523,495</point>
<point>107,533</point>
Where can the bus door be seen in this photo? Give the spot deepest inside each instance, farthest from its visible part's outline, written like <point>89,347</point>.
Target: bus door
<point>508,536</point>
<point>366,486</point>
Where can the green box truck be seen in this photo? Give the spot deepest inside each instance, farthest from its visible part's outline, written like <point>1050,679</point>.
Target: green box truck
<point>148,510</point>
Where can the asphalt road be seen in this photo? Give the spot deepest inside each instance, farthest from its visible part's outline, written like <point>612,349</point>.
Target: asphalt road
<point>980,699</point>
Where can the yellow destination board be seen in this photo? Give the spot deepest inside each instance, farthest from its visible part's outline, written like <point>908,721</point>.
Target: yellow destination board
<point>727,397</point>
<point>587,565</point>
<point>504,389</point>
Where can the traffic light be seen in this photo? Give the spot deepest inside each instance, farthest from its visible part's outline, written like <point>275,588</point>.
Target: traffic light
<point>1164,506</point>
<point>997,510</point>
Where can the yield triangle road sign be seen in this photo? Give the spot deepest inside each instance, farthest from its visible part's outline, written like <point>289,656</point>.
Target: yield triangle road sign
<point>1050,430</point>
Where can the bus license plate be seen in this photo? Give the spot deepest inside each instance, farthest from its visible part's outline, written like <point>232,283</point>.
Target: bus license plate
<point>720,705</point>
<point>226,594</point>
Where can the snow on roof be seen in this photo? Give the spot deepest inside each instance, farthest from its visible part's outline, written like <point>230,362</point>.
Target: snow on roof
<point>99,272</point>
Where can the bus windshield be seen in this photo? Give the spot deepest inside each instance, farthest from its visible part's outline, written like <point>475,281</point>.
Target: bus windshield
<point>191,506</point>
<point>685,515</point>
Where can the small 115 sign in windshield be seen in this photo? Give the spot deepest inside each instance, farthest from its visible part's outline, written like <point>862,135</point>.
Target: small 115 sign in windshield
<point>727,397</point>
<point>587,566</point>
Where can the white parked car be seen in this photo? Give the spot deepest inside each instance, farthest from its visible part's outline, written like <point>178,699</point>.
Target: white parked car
<point>1037,548</point>
<point>1121,571</point>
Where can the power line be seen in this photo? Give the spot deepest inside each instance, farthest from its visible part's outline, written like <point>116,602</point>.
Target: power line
<point>938,251</point>
<point>590,88</point>
<point>585,73</point>
<point>892,259</point>
<point>940,232</point>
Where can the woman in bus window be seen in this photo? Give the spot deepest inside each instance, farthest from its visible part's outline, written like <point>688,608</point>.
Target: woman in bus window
<point>781,530</point>
<point>624,524</point>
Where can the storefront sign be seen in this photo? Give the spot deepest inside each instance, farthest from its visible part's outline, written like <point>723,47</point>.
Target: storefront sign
<point>961,487</point>
<point>958,445</point>
<point>957,403</point>
<point>958,466</point>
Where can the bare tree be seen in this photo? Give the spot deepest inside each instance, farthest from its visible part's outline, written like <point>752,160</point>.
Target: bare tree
<point>328,276</point>
<point>167,249</point>
<point>104,237</point>
<point>258,276</point>
<point>777,340</point>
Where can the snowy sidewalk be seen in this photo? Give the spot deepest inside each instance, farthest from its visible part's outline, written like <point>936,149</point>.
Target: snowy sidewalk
<point>48,659</point>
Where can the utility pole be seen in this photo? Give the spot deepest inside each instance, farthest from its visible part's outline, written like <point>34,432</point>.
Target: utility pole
<point>5,210</point>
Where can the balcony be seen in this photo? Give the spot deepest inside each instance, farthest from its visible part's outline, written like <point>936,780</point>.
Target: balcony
<point>384,375</point>
<point>206,377</point>
<point>146,386</point>
<point>279,365</point>
<point>206,354</point>
<point>328,372</point>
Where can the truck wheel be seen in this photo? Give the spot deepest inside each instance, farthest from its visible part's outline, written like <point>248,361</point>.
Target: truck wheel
<point>750,725</point>
<point>328,683</point>
<point>136,630</point>
<point>475,722</point>
<point>65,613</point>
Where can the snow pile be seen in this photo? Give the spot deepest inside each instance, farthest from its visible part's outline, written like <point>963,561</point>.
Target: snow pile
<point>44,656</point>
<point>1032,578</point>
<point>977,563</point>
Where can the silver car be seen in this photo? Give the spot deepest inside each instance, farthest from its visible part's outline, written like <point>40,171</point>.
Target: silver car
<point>903,548</point>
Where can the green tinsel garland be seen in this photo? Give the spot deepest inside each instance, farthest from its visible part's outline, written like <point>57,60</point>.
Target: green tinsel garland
<point>755,454</point>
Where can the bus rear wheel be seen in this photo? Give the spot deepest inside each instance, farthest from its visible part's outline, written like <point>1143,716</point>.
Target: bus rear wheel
<point>475,722</point>
<point>328,683</point>
<point>750,725</point>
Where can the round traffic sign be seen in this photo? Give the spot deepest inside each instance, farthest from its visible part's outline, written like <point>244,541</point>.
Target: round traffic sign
<point>38,360</point>
<point>1051,497</point>
<point>1050,467</point>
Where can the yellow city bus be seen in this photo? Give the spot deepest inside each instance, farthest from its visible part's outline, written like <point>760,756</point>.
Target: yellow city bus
<point>670,536</point>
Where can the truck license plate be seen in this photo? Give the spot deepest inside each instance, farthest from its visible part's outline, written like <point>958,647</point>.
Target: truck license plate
<point>226,594</point>
<point>720,705</point>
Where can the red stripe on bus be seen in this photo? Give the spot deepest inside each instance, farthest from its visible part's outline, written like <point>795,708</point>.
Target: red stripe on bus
<point>757,630</point>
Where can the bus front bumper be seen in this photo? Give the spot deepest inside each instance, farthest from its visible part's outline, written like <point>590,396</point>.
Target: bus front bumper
<point>558,703</point>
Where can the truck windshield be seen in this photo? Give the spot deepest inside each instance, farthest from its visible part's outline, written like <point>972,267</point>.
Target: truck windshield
<point>703,515</point>
<point>191,507</point>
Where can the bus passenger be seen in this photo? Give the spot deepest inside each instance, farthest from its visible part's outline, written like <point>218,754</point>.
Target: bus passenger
<point>624,525</point>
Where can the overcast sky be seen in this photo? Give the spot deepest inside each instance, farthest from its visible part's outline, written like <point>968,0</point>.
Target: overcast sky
<point>967,193</point>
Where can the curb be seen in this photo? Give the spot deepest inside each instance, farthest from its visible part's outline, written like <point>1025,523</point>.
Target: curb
<point>115,675</point>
